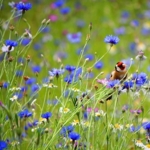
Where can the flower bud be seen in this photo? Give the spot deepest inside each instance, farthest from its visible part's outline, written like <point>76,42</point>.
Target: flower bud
<point>90,26</point>
<point>43,21</point>
<point>11,27</point>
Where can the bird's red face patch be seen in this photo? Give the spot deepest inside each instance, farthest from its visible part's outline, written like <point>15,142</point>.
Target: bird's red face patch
<point>121,65</point>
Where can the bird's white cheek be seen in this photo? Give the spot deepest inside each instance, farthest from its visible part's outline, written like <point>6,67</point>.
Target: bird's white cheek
<point>119,70</point>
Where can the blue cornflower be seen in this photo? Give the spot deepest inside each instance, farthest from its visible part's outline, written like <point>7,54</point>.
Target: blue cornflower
<point>140,78</point>
<point>19,73</point>
<point>68,93</point>
<point>145,31</point>
<point>134,76</point>
<point>120,31</point>
<point>125,14</point>
<point>19,95</point>
<point>74,76</point>
<point>74,38</point>
<point>112,83</point>
<point>56,72</point>
<point>147,14</point>
<point>81,50</point>
<point>25,41</point>
<point>125,108</point>
<point>24,88</point>
<point>77,72</point>
<point>66,130</point>
<point>134,129</point>
<point>60,55</point>
<point>29,124</point>
<point>63,131</point>
<point>70,128</point>
<point>85,115</point>
<point>132,47</point>
<point>46,115</point>
<point>25,113</point>
<point>111,39</point>
<point>99,65</point>
<point>23,135</point>
<point>65,10</point>
<point>37,46</point>
<point>9,45</point>
<point>59,3</point>
<point>89,75</point>
<point>24,7</point>
<point>52,102</point>
<point>5,85</point>
<point>135,23</point>
<point>70,68</point>
<point>45,29</point>
<point>146,125</point>
<point>35,87</point>
<point>128,84</point>
<point>36,69</point>
<point>143,76</point>
<point>45,80</point>
<point>30,81</point>
<point>3,145</point>
<point>26,127</point>
<point>21,60</point>
<point>74,136</point>
<point>89,57</point>
<point>80,23</point>
<point>35,122</point>
<point>68,78</point>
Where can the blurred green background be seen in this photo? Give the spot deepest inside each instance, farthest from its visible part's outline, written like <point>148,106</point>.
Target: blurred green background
<point>105,15</point>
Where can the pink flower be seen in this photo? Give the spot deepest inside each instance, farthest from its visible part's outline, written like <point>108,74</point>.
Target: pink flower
<point>96,110</point>
<point>53,18</point>
<point>103,81</point>
<point>89,110</point>
<point>138,111</point>
<point>53,6</point>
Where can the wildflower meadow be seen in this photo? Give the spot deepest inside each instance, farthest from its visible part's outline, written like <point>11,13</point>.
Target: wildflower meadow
<point>74,75</point>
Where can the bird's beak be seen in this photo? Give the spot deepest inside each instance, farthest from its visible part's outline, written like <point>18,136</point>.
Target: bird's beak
<point>123,65</point>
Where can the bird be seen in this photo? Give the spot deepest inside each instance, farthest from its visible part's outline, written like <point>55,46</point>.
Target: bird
<point>119,73</point>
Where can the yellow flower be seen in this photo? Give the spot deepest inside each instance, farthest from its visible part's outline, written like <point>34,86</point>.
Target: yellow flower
<point>85,123</point>
<point>100,113</point>
<point>139,143</point>
<point>75,89</point>
<point>75,122</point>
<point>64,110</point>
<point>148,145</point>
<point>42,120</point>
<point>118,126</point>
<point>128,125</point>
<point>50,85</point>
<point>15,89</point>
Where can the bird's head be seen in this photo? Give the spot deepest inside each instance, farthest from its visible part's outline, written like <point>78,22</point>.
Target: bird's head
<point>120,67</point>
